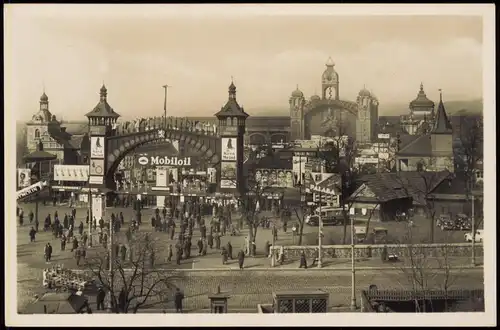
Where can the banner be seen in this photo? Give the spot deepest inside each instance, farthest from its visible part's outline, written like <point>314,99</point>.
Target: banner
<point>228,175</point>
<point>212,175</point>
<point>164,160</point>
<point>97,146</point>
<point>229,149</point>
<point>23,177</point>
<point>275,178</point>
<point>77,173</point>
<point>161,176</point>
<point>30,190</point>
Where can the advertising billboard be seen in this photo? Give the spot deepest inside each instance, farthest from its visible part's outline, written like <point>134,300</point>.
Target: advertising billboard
<point>146,160</point>
<point>97,146</point>
<point>229,149</point>
<point>161,176</point>
<point>30,190</point>
<point>77,173</point>
<point>212,175</point>
<point>97,207</point>
<point>275,178</point>
<point>173,175</point>
<point>23,177</point>
<point>97,167</point>
<point>228,175</point>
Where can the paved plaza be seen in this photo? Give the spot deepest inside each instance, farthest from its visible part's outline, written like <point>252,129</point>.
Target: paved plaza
<point>202,274</point>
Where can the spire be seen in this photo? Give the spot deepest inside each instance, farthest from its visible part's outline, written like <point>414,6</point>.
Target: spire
<point>330,62</point>
<point>232,90</point>
<point>421,87</point>
<point>104,92</point>
<point>441,124</point>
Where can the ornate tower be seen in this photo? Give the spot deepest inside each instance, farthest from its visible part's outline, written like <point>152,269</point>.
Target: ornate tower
<point>421,116</point>
<point>38,127</point>
<point>101,120</point>
<point>232,120</point>
<point>366,122</point>
<point>297,102</point>
<point>330,82</point>
<point>442,140</point>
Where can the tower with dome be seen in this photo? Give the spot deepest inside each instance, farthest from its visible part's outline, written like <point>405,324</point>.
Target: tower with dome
<point>329,115</point>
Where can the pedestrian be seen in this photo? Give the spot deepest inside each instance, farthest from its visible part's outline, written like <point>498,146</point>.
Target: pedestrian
<point>178,256</point>
<point>217,241</point>
<point>105,240</point>
<point>210,240</point>
<point>31,216</point>
<point>170,253</point>
<point>315,257</point>
<point>223,253</point>
<point>101,295</point>
<point>77,257</point>
<point>75,244</point>
<point>122,218</point>
<point>200,246</point>
<point>80,228</point>
<point>65,221</point>
<point>229,249</point>
<point>247,246</point>
<point>37,224</point>
<point>21,218</point>
<point>73,213</point>
<point>267,248</point>
<point>281,255</point>
<point>284,226</point>
<point>48,252</point>
<point>178,298</point>
<point>303,260</point>
<point>275,233</point>
<point>32,234</point>
<point>241,258</point>
<point>172,231</point>
<point>85,238</point>
<point>205,248</point>
<point>63,243</point>
<point>123,252</point>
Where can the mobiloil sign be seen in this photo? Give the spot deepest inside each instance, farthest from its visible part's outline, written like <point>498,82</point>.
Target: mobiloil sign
<point>165,160</point>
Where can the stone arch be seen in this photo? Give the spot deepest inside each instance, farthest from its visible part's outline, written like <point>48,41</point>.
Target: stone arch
<point>121,146</point>
<point>257,138</point>
<point>316,118</point>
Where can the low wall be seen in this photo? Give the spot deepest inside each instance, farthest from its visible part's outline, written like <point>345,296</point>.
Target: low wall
<point>375,251</point>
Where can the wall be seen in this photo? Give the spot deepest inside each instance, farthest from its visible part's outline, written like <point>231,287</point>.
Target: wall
<point>375,251</point>
<point>442,144</point>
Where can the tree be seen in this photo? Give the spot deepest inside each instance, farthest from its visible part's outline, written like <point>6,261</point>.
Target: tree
<point>134,279</point>
<point>251,193</point>
<point>21,143</point>
<point>425,271</point>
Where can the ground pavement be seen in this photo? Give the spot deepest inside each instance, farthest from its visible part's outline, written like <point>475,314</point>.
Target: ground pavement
<point>31,263</point>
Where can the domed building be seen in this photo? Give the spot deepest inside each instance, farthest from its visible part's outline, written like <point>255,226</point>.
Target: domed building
<point>421,115</point>
<point>44,128</point>
<point>328,115</point>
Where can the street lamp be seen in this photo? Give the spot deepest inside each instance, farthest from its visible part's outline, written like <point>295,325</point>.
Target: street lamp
<point>353,268</point>
<point>320,232</point>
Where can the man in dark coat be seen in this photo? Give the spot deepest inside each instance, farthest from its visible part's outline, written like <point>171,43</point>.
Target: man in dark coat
<point>101,295</point>
<point>80,228</point>
<point>229,249</point>
<point>223,253</point>
<point>65,221</point>
<point>178,255</point>
<point>241,258</point>
<point>267,248</point>
<point>122,300</point>
<point>178,297</point>
<point>63,243</point>
<point>200,246</point>
<point>48,252</point>
<point>123,252</point>
<point>170,253</point>
<point>75,244</point>
<point>31,216</point>
<point>37,224</point>
<point>210,240</point>
<point>303,260</point>
<point>32,234</point>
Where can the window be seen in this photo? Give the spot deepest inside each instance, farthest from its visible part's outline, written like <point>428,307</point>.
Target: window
<point>37,134</point>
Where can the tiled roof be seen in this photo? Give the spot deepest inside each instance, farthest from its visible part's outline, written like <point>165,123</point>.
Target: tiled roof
<point>40,155</point>
<point>232,108</point>
<point>103,109</point>
<point>390,186</point>
<point>421,146</point>
<point>76,141</point>
<point>334,182</point>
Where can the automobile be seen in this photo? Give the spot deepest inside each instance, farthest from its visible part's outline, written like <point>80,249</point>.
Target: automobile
<point>478,238</point>
<point>360,234</point>
<point>380,235</point>
<point>313,220</point>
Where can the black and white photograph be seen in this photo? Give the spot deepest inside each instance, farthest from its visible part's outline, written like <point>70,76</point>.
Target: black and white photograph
<point>329,162</point>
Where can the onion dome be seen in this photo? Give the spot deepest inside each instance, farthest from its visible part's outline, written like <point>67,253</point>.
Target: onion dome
<point>315,98</point>
<point>44,97</point>
<point>421,101</point>
<point>364,92</point>
<point>297,92</point>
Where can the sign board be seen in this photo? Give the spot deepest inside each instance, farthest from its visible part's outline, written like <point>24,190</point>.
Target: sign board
<point>97,207</point>
<point>161,176</point>
<point>275,178</point>
<point>30,190</point>
<point>23,177</point>
<point>97,130</point>
<point>97,167</point>
<point>228,175</point>
<point>229,130</point>
<point>97,146</point>
<point>173,175</point>
<point>384,136</point>
<point>229,146</point>
<point>212,175</point>
<point>96,179</point>
<point>383,155</point>
<point>160,201</point>
<point>164,161</point>
<point>366,160</point>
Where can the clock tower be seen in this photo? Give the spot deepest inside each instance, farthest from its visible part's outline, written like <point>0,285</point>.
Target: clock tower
<point>330,82</point>
<point>297,103</point>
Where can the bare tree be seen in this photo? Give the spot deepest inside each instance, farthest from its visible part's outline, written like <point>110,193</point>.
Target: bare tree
<point>425,270</point>
<point>252,192</point>
<point>133,281</point>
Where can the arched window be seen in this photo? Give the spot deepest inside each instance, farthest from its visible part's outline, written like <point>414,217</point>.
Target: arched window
<point>37,134</point>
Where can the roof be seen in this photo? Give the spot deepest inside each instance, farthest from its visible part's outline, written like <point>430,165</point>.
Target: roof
<point>103,109</point>
<point>60,136</point>
<point>420,146</point>
<point>442,124</point>
<point>421,101</point>
<point>40,155</point>
<point>57,303</point>
<point>384,187</point>
<point>76,141</point>
<point>330,184</point>
<point>232,108</point>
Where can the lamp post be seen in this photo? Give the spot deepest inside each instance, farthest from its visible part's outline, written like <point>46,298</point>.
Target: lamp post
<point>165,87</point>
<point>353,268</point>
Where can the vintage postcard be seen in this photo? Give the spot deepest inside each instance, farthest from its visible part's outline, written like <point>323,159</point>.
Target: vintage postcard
<point>187,160</point>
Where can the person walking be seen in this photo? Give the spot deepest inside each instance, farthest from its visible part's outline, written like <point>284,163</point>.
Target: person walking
<point>205,248</point>
<point>303,260</point>
<point>178,298</point>
<point>48,252</point>
<point>123,252</point>
<point>229,249</point>
<point>223,253</point>
<point>241,258</point>
<point>101,295</point>
<point>32,234</point>
<point>63,243</point>
<point>200,246</point>
<point>170,253</point>
<point>31,216</point>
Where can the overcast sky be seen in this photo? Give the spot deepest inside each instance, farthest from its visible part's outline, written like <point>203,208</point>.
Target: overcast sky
<point>135,50</point>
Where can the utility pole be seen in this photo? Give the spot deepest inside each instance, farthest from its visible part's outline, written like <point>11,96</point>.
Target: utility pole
<point>320,232</point>
<point>353,269</point>
<point>165,87</point>
<point>473,225</point>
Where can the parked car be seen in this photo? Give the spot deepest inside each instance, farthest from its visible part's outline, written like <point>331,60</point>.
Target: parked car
<point>313,220</point>
<point>360,234</point>
<point>478,238</point>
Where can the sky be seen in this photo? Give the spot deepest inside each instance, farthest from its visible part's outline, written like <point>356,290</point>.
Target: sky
<point>70,50</point>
